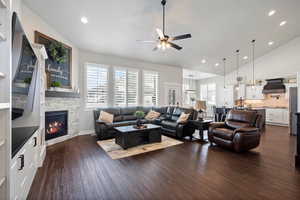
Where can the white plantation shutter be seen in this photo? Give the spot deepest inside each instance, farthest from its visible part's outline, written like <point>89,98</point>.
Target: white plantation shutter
<point>97,85</point>
<point>125,87</point>
<point>120,87</point>
<point>132,88</point>
<point>150,88</point>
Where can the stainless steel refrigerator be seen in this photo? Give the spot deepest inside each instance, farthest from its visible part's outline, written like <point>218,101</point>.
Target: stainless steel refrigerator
<point>293,108</point>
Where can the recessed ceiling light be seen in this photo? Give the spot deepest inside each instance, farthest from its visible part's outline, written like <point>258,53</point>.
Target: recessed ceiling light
<point>272,12</point>
<point>84,20</point>
<point>217,64</point>
<point>270,43</point>
<point>203,61</point>
<point>282,23</point>
<point>245,57</point>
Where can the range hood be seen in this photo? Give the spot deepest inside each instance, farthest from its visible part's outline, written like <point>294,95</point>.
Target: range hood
<point>274,86</point>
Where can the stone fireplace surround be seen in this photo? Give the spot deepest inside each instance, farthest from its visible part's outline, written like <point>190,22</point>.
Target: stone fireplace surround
<point>71,105</point>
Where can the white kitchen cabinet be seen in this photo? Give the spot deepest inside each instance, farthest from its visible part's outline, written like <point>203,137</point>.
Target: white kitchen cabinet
<point>23,168</point>
<point>277,116</point>
<point>229,96</point>
<point>241,92</point>
<point>254,93</point>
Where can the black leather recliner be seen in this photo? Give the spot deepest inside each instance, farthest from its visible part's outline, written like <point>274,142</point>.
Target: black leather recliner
<point>125,117</point>
<point>170,126</point>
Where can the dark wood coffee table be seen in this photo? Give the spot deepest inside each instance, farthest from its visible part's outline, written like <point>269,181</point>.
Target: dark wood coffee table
<point>128,136</point>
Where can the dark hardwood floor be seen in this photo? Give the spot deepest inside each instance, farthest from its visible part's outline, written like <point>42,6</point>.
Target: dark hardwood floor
<point>79,169</point>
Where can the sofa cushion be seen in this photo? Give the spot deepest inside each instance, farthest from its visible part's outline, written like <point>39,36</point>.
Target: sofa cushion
<point>169,112</point>
<point>223,133</point>
<point>236,125</point>
<point>176,114</point>
<point>169,124</point>
<point>152,115</point>
<point>129,117</point>
<point>183,117</point>
<point>242,116</point>
<point>106,117</point>
<point>145,109</point>
<point>161,110</point>
<point>115,111</point>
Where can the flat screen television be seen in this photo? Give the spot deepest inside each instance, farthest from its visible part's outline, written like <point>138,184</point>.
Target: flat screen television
<point>24,71</point>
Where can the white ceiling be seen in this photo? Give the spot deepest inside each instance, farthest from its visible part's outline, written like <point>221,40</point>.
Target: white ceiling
<point>196,75</point>
<point>218,27</point>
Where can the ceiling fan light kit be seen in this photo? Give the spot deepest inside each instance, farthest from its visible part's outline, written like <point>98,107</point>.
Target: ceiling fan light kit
<point>164,41</point>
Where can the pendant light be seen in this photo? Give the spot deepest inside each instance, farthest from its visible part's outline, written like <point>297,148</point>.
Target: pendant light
<point>224,66</point>
<point>253,64</point>
<point>238,79</point>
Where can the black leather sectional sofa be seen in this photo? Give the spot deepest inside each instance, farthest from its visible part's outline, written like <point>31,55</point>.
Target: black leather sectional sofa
<point>125,116</point>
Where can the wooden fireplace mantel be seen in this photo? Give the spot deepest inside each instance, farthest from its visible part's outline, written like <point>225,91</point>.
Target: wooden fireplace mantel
<point>61,94</point>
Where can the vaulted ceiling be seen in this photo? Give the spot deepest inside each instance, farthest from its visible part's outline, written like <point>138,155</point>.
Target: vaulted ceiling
<point>218,27</point>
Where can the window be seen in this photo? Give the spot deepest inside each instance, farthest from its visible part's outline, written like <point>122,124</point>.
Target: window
<point>97,85</point>
<point>150,88</point>
<point>125,87</point>
<point>208,94</point>
<point>189,91</point>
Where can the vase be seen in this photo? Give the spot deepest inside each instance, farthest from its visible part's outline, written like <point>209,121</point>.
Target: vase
<point>138,122</point>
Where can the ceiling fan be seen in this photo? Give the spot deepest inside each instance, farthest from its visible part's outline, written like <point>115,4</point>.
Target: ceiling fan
<point>164,41</point>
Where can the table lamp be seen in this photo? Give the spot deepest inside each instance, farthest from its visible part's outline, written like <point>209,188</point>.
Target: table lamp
<point>200,106</point>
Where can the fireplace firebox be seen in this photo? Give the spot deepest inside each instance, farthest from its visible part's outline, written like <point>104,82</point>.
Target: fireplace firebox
<point>56,124</point>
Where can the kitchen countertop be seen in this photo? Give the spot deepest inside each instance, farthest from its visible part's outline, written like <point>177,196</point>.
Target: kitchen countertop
<point>20,136</point>
<point>267,107</point>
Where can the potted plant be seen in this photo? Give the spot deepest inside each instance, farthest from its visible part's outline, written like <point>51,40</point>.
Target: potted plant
<point>139,115</point>
<point>55,84</point>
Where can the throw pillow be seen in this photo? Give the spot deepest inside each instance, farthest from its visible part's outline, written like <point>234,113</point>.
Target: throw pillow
<point>152,115</point>
<point>106,117</point>
<point>183,117</point>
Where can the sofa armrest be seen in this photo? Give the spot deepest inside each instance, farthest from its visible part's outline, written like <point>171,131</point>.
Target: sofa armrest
<point>245,139</point>
<point>216,125</point>
<point>100,122</point>
<point>247,130</point>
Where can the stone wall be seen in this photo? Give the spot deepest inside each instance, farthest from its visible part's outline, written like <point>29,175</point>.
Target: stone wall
<point>72,105</point>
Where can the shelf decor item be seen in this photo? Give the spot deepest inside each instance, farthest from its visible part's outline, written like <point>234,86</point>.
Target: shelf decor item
<point>59,62</point>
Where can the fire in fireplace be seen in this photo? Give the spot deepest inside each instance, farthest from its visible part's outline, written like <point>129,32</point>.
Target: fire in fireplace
<point>56,124</point>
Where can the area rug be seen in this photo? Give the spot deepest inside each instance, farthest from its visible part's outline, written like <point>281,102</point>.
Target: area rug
<point>116,152</point>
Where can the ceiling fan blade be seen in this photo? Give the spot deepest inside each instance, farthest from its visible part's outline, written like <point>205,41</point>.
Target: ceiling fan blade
<point>175,46</point>
<point>181,37</point>
<point>160,33</point>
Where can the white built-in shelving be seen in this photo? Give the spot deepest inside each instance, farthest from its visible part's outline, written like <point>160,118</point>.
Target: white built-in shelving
<point>5,87</point>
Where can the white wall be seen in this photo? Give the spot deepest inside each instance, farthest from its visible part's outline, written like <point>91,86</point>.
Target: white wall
<point>168,74</point>
<point>283,61</point>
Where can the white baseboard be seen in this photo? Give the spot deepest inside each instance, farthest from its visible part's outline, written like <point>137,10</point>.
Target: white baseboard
<point>59,139</point>
<point>87,132</point>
